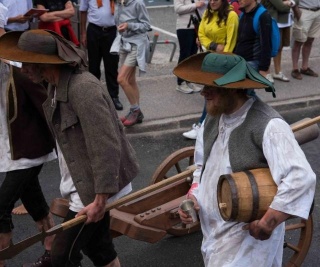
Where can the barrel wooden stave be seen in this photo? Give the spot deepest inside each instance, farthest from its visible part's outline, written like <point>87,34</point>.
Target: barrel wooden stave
<point>245,196</point>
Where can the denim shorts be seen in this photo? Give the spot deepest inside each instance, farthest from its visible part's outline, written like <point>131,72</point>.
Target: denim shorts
<point>23,184</point>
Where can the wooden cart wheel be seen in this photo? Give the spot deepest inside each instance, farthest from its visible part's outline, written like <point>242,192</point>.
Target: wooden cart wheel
<point>298,238</point>
<point>177,162</point>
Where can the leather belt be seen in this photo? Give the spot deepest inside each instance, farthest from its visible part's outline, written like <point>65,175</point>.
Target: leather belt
<point>104,29</point>
<point>311,9</point>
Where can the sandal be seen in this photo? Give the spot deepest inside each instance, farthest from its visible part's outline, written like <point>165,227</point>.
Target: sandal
<point>309,72</point>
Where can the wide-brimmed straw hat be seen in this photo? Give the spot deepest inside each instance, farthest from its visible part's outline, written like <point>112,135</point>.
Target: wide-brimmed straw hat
<point>40,47</point>
<point>225,70</point>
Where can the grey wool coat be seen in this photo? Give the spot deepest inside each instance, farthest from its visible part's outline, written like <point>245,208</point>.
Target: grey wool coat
<point>90,135</point>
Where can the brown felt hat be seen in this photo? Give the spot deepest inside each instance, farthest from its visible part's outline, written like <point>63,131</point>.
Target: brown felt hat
<point>39,47</point>
<point>225,70</point>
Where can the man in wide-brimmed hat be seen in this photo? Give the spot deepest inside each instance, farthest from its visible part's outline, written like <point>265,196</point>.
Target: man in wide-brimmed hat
<point>98,161</point>
<point>243,133</point>
<point>25,145</point>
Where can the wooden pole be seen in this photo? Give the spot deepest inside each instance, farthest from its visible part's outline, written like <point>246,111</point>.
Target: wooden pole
<point>305,124</point>
<point>132,196</point>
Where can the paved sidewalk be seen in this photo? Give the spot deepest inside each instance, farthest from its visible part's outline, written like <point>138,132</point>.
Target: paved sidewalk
<point>166,109</point>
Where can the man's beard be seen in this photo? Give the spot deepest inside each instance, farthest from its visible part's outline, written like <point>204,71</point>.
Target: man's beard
<point>225,106</point>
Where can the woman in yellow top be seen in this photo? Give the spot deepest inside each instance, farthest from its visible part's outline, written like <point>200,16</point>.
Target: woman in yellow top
<point>219,27</point>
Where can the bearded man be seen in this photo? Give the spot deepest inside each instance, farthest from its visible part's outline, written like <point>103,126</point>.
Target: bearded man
<point>243,133</point>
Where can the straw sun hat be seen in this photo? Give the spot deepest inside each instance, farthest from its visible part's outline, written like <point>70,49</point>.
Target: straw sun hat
<point>224,70</point>
<point>40,47</point>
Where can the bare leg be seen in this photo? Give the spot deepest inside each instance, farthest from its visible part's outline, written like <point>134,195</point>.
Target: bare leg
<point>306,50</point>
<point>277,62</point>
<point>114,263</point>
<point>5,239</point>
<point>45,224</point>
<point>127,80</point>
<point>296,54</point>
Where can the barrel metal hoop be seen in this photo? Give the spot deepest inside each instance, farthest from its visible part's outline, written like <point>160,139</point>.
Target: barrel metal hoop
<point>235,198</point>
<point>255,195</point>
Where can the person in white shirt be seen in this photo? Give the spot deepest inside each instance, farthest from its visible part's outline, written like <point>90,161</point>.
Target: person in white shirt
<point>188,17</point>
<point>25,145</point>
<point>242,133</point>
<point>16,10</point>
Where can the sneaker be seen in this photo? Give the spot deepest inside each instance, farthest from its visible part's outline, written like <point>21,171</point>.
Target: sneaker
<point>184,88</point>
<point>123,118</point>
<point>281,77</point>
<point>296,74</point>
<point>43,261</point>
<point>195,88</point>
<point>192,134</point>
<point>133,117</point>
<point>269,77</point>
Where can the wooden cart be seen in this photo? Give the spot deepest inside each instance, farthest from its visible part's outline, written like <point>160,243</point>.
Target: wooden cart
<point>152,216</point>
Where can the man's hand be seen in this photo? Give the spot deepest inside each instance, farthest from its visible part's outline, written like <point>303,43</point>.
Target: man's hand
<point>262,229</point>
<point>95,211</point>
<point>19,19</point>
<point>185,218</point>
<point>258,230</point>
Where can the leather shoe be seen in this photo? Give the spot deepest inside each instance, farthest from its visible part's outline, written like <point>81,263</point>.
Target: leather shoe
<point>43,261</point>
<point>296,74</point>
<point>309,72</point>
<point>117,103</point>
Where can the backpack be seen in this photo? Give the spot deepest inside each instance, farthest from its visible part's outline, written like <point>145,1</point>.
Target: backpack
<point>275,33</point>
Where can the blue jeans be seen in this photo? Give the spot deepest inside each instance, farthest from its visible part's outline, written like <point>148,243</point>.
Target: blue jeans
<point>23,184</point>
<point>93,239</point>
<point>187,44</point>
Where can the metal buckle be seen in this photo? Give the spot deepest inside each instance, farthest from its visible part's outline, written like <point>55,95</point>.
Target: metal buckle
<point>105,29</point>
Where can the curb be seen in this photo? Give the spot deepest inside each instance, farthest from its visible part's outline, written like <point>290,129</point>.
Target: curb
<point>305,106</point>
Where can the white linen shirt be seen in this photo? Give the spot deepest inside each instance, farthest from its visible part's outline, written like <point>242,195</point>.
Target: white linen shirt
<point>6,163</point>
<point>225,243</point>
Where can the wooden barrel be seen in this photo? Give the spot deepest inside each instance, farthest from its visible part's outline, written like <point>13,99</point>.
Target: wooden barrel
<point>245,196</point>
